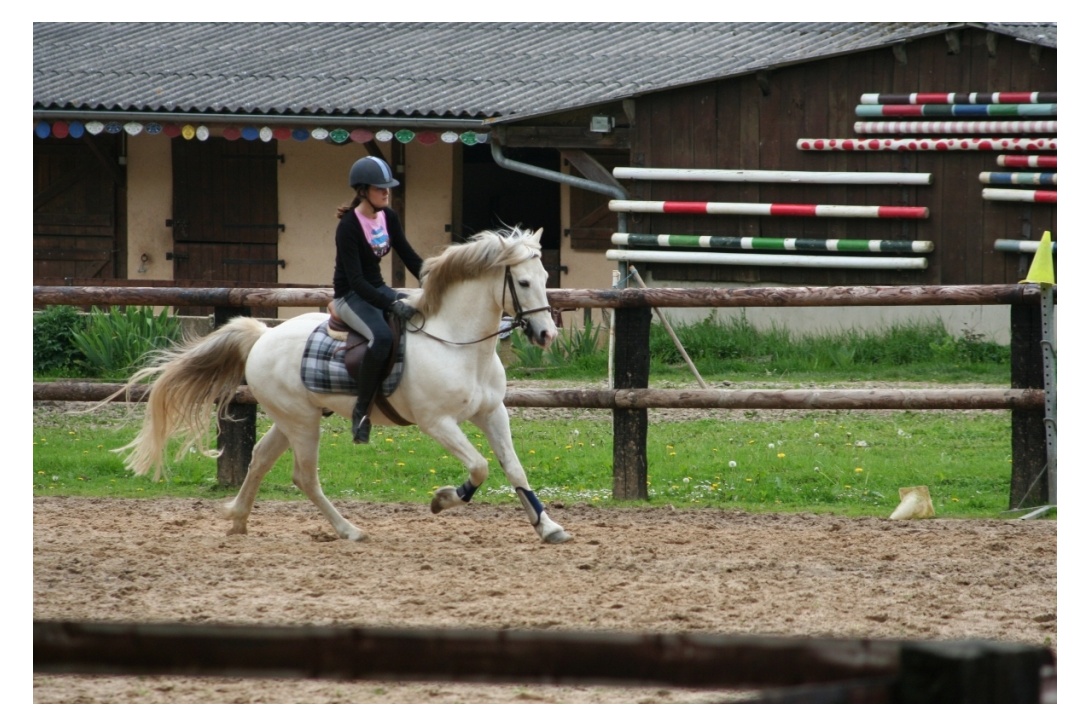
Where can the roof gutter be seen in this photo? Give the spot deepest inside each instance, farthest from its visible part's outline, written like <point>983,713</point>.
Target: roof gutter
<point>177,117</point>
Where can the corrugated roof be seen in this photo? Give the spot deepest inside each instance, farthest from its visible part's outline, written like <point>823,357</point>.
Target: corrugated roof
<point>453,70</point>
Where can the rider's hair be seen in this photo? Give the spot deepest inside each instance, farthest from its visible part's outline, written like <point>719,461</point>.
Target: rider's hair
<point>344,209</point>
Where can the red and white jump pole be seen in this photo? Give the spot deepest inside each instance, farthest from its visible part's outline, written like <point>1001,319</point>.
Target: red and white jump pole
<point>952,144</point>
<point>1020,195</point>
<point>768,210</point>
<point>1017,160</point>
<point>955,127</point>
<point>990,97</point>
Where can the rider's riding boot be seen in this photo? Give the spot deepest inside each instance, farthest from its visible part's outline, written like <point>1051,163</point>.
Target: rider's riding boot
<point>368,382</point>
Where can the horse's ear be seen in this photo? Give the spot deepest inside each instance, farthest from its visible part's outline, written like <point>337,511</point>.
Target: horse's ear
<point>536,237</point>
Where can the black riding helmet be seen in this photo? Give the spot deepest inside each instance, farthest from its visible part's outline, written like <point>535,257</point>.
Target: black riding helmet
<point>372,172</point>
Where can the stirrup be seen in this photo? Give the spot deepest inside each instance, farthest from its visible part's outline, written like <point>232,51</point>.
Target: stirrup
<point>361,429</point>
<point>362,433</point>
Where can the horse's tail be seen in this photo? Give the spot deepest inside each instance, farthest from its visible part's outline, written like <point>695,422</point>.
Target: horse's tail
<point>189,380</point>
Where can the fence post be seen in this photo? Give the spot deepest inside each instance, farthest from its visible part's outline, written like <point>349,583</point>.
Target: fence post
<point>237,431</point>
<point>970,673</point>
<point>631,369</point>
<point>1029,456</point>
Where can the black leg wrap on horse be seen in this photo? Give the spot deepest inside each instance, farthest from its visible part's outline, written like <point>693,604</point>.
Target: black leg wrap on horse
<point>530,504</point>
<point>465,491</point>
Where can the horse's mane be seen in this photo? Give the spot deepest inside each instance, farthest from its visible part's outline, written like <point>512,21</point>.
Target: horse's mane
<point>470,259</point>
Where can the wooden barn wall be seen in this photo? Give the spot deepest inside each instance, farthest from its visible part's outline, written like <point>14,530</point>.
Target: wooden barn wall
<point>733,124</point>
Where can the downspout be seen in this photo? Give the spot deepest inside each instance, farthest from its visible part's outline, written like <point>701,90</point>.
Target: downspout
<point>615,191</point>
<point>612,191</point>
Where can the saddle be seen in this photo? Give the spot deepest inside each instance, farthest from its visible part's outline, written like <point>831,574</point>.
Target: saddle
<point>355,349</point>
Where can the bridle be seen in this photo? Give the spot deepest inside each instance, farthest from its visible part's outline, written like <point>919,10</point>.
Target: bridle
<point>518,321</point>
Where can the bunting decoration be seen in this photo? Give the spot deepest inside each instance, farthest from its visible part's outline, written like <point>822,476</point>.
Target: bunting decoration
<point>75,129</point>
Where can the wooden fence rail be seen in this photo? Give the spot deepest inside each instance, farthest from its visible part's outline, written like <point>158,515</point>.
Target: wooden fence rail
<point>900,399</point>
<point>835,296</point>
<point>872,670</point>
<point>632,360</point>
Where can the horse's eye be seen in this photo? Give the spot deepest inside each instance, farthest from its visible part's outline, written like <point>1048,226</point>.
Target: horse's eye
<point>524,283</point>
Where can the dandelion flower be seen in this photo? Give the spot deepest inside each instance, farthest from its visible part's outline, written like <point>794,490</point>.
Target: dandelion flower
<point>781,455</point>
<point>858,470</point>
<point>732,464</point>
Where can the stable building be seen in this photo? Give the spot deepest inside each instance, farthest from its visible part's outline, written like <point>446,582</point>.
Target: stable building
<point>215,154</point>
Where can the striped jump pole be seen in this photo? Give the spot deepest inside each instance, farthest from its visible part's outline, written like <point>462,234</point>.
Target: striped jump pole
<point>1018,160</point>
<point>955,127</point>
<point>768,210</point>
<point>774,176</point>
<point>1031,178</point>
<point>800,244</point>
<point>989,97</point>
<point>1009,109</point>
<point>1023,246</point>
<point>952,144</point>
<point>765,260</point>
<point>1020,195</point>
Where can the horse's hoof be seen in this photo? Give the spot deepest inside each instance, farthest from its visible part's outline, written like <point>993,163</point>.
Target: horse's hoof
<point>557,536</point>
<point>357,537</point>
<point>444,499</point>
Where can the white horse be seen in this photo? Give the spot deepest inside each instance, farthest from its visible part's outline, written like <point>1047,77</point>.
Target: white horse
<point>452,373</point>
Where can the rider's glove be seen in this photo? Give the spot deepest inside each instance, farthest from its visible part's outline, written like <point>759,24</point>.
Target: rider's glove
<point>401,309</point>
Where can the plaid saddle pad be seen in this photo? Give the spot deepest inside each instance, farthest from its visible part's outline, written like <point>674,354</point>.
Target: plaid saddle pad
<point>323,369</point>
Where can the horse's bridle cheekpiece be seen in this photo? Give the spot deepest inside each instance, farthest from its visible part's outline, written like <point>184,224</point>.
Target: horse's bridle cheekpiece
<point>519,320</point>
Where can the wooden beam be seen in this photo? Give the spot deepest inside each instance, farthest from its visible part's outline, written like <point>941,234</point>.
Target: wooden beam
<point>885,295</point>
<point>320,652</point>
<point>589,167</point>
<point>561,137</point>
<point>838,669</point>
<point>643,398</point>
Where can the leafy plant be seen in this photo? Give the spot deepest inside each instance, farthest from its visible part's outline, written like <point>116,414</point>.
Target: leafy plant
<point>116,341</point>
<point>55,351</point>
<point>574,344</point>
<point>528,356</point>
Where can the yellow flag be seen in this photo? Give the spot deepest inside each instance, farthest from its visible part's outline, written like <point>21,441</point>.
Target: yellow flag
<point>1041,270</point>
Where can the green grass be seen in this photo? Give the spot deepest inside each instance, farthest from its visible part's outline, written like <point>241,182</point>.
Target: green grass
<point>834,462</point>
<point>734,348</point>
<point>849,463</point>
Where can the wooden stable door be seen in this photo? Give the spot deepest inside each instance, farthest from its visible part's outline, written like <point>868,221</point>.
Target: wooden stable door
<point>226,223</point>
<point>78,223</point>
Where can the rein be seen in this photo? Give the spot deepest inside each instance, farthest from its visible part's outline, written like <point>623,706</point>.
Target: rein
<point>518,322</point>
